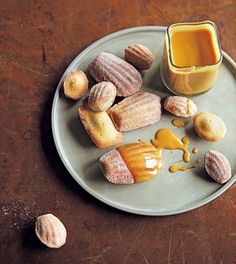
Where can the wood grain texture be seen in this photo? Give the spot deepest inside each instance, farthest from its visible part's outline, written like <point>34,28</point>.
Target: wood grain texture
<point>38,40</point>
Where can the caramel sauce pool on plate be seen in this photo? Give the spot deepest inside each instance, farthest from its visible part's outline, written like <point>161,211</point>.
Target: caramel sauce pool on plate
<point>166,139</point>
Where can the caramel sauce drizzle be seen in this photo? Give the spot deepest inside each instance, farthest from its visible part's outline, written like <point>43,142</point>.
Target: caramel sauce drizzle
<point>166,139</point>
<point>194,150</point>
<point>142,141</point>
<point>175,168</point>
<point>142,159</point>
<point>178,123</point>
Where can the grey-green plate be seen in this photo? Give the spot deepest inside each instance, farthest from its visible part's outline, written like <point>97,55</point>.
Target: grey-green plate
<point>168,193</point>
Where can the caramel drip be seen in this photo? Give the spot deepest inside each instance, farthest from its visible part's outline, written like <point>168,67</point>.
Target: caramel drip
<point>175,168</point>
<point>166,139</point>
<point>194,150</point>
<point>142,159</point>
<point>188,107</point>
<point>142,140</point>
<point>178,123</point>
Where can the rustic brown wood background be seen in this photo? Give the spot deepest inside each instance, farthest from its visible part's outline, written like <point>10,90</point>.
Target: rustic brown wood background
<point>38,40</point>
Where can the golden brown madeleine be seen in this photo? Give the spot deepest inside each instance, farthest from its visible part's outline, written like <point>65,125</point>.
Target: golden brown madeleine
<point>75,85</point>
<point>180,106</point>
<point>101,96</point>
<point>209,126</point>
<point>99,127</point>
<point>140,56</point>
<point>108,67</point>
<point>138,110</point>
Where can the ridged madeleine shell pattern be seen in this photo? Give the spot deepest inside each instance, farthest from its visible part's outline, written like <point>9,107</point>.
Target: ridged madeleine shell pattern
<point>101,96</point>
<point>138,110</point>
<point>115,169</point>
<point>50,231</point>
<point>108,67</point>
<point>139,56</point>
<point>180,106</point>
<point>217,166</point>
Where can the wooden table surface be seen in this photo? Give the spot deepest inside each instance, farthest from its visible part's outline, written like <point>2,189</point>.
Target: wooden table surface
<point>38,40</point>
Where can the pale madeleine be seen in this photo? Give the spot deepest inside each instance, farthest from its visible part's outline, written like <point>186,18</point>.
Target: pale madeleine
<point>99,127</point>
<point>209,126</point>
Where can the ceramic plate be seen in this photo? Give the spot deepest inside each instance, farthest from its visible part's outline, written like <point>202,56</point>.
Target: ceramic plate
<point>167,193</point>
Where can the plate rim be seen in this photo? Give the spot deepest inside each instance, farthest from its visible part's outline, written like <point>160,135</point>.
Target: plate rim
<point>73,173</point>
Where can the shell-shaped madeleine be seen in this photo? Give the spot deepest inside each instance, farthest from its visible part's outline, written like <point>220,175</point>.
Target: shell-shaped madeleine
<point>217,166</point>
<point>99,126</point>
<point>140,56</point>
<point>101,96</point>
<point>139,110</point>
<point>115,169</point>
<point>142,159</point>
<point>209,126</point>
<point>50,231</point>
<point>108,67</point>
<point>180,106</point>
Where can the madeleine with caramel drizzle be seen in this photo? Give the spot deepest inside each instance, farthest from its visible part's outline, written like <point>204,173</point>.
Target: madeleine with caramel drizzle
<point>142,161</point>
